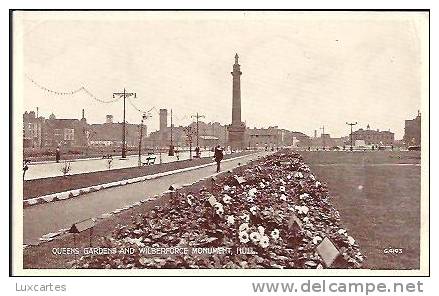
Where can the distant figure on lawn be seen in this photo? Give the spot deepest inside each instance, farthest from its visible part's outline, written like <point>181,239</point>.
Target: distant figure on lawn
<point>177,154</point>
<point>218,156</point>
<point>57,154</point>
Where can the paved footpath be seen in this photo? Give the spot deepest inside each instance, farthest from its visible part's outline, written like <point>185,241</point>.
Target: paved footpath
<point>45,218</point>
<point>81,166</point>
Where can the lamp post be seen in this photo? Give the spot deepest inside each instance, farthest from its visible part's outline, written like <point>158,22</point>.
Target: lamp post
<point>351,124</point>
<point>144,117</point>
<point>171,147</point>
<point>124,95</point>
<point>198,116</point>
<point>189,134</point>
<point>323,137</point>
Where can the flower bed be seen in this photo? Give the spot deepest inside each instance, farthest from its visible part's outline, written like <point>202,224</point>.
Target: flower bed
<point>271,214</point>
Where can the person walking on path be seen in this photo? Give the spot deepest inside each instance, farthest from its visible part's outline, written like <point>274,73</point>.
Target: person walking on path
<point>218,156</point>
<point>57,154</point>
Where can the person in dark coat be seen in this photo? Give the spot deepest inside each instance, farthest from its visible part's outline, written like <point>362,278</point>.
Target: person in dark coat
<point>218,156</point>
<point>57,154</point>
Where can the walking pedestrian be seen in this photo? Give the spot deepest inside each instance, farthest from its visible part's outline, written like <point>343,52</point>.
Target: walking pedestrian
<point>218,156</point>
<point>177,154</point>
<point>57,154</point>
<point>25,167</point>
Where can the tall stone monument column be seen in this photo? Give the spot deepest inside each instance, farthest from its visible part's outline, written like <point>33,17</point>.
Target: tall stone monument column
<point>237,128</point>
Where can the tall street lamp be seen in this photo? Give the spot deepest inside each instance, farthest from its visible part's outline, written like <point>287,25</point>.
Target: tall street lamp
<point>351,124</point>
<point>144,117</point>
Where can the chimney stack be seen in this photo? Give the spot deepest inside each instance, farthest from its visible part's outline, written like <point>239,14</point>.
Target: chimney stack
<point>163,119</point>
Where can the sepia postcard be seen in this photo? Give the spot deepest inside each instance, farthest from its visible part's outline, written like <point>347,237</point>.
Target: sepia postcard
<point>220,143</point>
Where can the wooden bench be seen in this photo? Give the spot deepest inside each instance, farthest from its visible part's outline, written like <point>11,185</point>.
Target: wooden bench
<point>150,160</point>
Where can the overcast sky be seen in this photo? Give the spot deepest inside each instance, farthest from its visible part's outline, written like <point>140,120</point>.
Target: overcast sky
<point>300,70</point>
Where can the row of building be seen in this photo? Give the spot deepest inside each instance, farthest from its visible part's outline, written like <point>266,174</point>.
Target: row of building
<point>40,132</point>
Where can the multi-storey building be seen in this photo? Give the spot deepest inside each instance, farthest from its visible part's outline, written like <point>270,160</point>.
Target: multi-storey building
<point>373,137</point>
<point>32,130</point>
<point>412,131</point>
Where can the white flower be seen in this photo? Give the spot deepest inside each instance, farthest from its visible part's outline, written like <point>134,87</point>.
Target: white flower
<point>253,210</point>
<point>283,197</point>
<point>226,187</point>
<point>144,260</point>
<point>261,229</point>
<point>289,177</point>
<point>304,196</point>
<point>264,241</point>
<point>243,227</point>
<point>298,175</point>
<point>243,237</point>
<point>304,168</point>
<point>137,241</point>
<point>255,237</point>
<point>218,206</point>
<point>230,220</point>
<point>227,199</point>
<point>138,231</point>
<point>306,219</point>
<point>318,184</point>
<point>275,234</point>
<point>282,188</point>
<point>302,209</point>
<point>189,201</point>
<point>342,232</point>
<point>245,217</point>
<point>312,177</point>
<point>262,185</point>
<point>316,240</point>
<point>252,192</point>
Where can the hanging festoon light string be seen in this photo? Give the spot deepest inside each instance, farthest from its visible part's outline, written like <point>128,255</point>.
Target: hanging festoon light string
<point>156,111</point>
<point>99,100</point>
<point>72,92</point>
<point>62,93</point>
<point>140,110</point>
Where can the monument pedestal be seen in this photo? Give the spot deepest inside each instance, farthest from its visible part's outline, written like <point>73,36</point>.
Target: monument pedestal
<point>236,136</point>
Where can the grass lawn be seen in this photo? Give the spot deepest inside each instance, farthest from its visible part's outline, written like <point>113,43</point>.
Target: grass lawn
<point>379,201</point>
